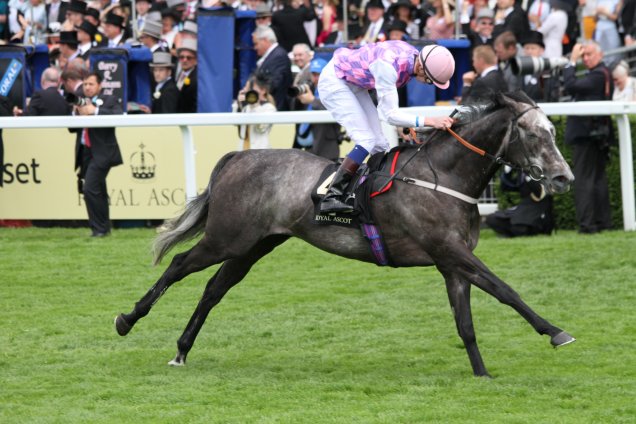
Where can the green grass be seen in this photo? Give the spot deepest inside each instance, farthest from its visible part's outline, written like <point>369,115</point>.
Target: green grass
<point>311,338</point>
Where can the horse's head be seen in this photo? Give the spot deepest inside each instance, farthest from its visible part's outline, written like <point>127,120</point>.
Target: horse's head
<point>530,144</point>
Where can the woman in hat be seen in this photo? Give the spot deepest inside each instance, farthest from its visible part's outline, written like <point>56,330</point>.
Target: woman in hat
<point>344,84</point>
<point>403,10</point>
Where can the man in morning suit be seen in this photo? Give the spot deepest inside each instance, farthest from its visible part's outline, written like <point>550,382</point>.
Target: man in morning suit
<point>166,93</point>
<point>275,63</point>
<point>96,152</point>
<point>48,101</point>
<point>487,78</point>
<point>187,77</point>
<point>591,192</point>
<point>510,17</point>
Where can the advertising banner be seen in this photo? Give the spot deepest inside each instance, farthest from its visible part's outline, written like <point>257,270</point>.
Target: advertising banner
<point>12,74</point>
<point>40,183</point>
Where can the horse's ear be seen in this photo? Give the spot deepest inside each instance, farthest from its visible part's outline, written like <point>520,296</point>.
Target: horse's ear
<point>509,101</point>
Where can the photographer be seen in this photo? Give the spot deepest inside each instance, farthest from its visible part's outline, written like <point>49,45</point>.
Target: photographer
<point>255,97</point>
<point>96,151</point>
<point>539,75</point>
<point>533,215</point>
<point>590,137</point>
<point>326,137</point>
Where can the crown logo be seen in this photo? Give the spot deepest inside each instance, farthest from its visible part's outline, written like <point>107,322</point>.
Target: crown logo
<point>142,164</point>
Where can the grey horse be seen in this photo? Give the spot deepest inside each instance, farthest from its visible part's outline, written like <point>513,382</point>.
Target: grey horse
<point>258,199</point>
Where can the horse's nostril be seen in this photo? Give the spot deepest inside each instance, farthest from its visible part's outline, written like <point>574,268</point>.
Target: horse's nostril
<point>560,183</point>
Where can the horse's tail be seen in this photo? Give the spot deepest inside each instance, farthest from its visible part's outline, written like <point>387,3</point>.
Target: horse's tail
<point>192,221</point>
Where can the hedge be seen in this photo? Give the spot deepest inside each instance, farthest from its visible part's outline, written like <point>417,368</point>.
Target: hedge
<point>564,204</point>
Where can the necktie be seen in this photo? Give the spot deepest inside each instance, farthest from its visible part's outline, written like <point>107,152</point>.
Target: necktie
<point>182,77</point>
<point>86,138</point>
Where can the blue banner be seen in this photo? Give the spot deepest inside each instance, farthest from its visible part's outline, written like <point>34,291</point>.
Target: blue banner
<point>10,76</point>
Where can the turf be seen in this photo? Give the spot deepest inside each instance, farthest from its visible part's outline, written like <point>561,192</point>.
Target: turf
<point>311,338</point>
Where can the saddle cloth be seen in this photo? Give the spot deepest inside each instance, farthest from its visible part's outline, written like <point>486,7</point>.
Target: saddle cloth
<point>371,180</point>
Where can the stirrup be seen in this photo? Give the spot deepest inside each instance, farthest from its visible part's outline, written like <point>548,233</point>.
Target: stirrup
<point>336,205</point>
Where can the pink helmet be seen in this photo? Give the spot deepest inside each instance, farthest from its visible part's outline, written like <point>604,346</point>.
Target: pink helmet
<point>438,64</point>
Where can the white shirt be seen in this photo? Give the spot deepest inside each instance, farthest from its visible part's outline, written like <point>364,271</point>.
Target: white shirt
<point>388,103</point>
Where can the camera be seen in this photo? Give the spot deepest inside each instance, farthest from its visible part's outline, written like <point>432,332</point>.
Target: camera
<point>528,65</point>
<point>76,100</point>
<point>251,97</point>
<point>297,90</point>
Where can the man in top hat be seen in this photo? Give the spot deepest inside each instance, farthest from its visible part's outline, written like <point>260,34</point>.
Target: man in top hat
<point>165,96</point>
<point>86,37</point>
<point>536,86</point>
<point>484,24</point>
<point>68,46</point>
<point>263,14</point>
<point>187,76</point>
<point>373,29</point>
<point>74,14</point>
<point>189,30</point>
<point>150,36</point>
<point>114,29</point>
<point>397,30</point>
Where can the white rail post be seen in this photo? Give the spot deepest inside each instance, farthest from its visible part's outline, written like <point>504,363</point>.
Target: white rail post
<point>188,162</point>
<point>627,172</point>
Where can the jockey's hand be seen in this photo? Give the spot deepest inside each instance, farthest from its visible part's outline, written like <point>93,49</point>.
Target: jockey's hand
<point>439,122</point>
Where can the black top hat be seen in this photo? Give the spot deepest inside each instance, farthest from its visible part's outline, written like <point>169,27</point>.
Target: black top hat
<point>401,3</point>
<point>89,28</point>
<point>375,3</point>
<point>397,25</point>
<point>533,37</point>
<point>170,12</point>
<point>69,37</point>
<point>113,19</point>
<point>76,6</point>
<point>92,12</point>
<point>562,5</point>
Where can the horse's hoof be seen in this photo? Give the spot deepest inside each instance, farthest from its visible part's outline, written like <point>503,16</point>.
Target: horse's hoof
<point>562,339</point>
<point>178,361</point>
<point>121,325</point>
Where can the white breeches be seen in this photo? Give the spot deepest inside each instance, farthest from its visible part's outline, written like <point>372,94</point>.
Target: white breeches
<point>352,107</point>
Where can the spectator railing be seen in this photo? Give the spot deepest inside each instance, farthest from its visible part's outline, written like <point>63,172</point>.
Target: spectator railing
<point>620,110</point>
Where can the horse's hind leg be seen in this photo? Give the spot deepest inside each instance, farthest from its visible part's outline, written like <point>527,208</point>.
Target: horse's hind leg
<point>182,265</point>
<point>459,297</point>
<point>231,273</point>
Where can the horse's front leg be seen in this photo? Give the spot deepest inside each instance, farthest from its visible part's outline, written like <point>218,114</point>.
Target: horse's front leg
<point>470,268</point>
<point>459,297</point>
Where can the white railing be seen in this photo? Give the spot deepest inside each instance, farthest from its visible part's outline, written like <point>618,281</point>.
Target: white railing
<point>620,110</point>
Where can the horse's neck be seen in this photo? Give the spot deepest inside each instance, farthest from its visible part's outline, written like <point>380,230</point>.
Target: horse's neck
<point>458,167</point>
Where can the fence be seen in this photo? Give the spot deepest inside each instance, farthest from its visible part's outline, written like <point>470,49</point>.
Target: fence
<point>621,111</point>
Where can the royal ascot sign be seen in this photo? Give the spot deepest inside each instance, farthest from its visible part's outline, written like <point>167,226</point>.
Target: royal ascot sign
<point>40,182</point>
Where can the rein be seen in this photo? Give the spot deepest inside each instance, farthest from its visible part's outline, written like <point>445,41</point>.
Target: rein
<point>497,159</point>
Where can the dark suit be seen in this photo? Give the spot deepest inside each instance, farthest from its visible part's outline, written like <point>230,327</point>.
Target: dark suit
<point>61,13</point>
<point>516,22</point>
<point>278,66</point>
<point>187,102</point>
<point>591,192</point>
<point>288,22</point>
<point>48,102</point>
<point>167,102</point>
<point>325,136</point>
<point>483,86</point>
<point>96,162</point>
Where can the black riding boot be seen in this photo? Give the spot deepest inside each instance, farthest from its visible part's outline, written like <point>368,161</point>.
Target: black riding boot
<point>334,200</point>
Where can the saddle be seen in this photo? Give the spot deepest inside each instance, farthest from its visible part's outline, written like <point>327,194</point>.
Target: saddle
<point>372,179</point>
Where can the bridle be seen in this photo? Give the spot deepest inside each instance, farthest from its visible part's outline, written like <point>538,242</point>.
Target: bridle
<point>534,171</point>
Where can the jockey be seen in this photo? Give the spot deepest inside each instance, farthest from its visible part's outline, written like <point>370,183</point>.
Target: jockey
<point>343,88</point>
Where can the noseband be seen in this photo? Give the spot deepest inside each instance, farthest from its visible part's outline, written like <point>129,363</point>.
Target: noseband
<point>534,171</point>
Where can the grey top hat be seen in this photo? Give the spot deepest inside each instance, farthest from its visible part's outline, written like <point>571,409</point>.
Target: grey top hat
<point>485,13</point>
<point>188,44</point>
<point>262,10</point>
<point>174,3</point>
<point>151,29</point>
<point>161,60</point>
<point>190,26</point>
<point>153,15</point>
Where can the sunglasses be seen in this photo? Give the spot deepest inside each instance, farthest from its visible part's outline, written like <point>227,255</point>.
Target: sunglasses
<point>186,57</point>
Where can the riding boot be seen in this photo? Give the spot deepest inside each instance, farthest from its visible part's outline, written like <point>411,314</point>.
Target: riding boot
<point>335,199</point>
